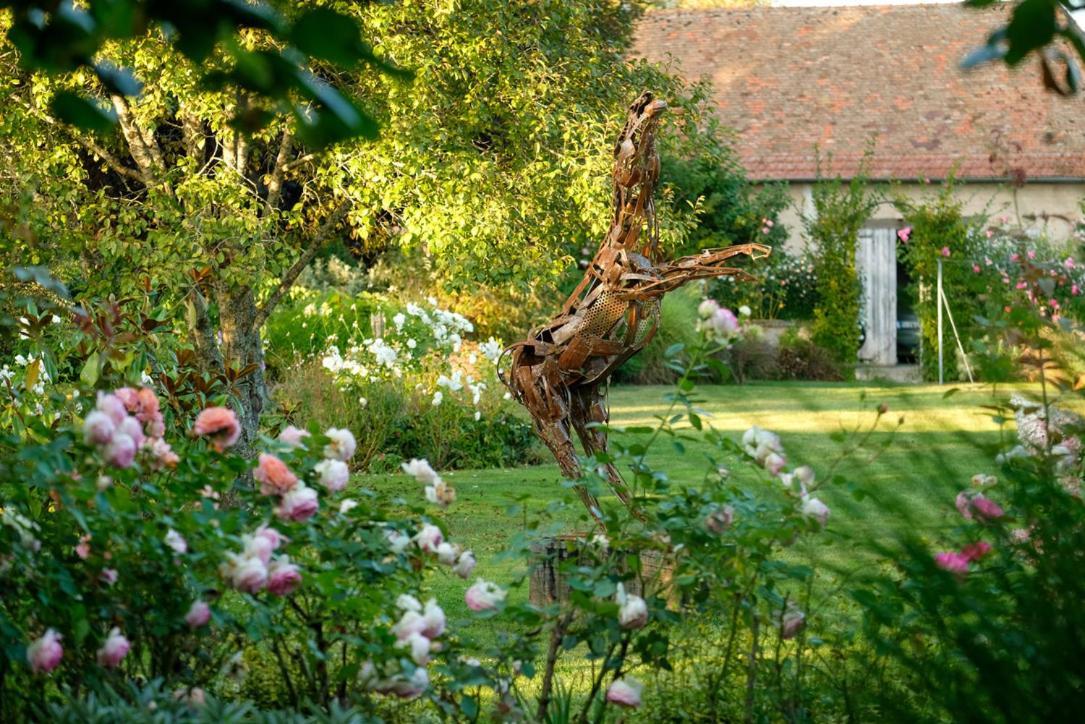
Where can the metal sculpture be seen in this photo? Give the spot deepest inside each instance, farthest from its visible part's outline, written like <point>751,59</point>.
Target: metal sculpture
<point>559,373</point>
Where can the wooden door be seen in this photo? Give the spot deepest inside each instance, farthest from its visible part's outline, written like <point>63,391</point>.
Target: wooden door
<point>876,263</point>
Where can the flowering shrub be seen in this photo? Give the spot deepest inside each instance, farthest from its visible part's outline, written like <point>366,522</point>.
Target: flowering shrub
<point>1000,279</point>
<point>423,389</point>
<point>1001,587</point>
<point>785,288</point>
<point>125,555</point>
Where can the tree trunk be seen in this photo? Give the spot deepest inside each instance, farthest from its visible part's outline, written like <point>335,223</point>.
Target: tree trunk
<point>241,348</point>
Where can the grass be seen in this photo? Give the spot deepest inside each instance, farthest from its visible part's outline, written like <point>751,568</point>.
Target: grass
<point>880,474</point>
<point>921,452</point>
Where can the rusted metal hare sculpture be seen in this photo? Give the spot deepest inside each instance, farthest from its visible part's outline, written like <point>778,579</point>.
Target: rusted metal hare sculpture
<point>559,372</point>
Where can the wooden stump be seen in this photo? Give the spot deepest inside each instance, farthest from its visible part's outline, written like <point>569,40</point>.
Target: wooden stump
<point>548,585</point>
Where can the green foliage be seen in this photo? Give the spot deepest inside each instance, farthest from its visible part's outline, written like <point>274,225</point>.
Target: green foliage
<point>940,232</point>
<point>786,287</point>
<point>677,325</point>
<point>798,358</point>
<point>961,632</point>
<point>217,37</point>
<point>706,177</point>
<point>397,423</point>
<point>311,322</point>
<point>1034,27</point>
<point>832,230</point>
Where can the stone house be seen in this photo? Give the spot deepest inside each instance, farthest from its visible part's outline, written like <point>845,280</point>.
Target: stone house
<point>796,84</point>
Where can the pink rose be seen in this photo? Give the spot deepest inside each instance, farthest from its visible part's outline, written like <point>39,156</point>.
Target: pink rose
<point>114,649</point>
<point>121,451</point>
<point>419,647</point>
<point>130,426</point>
<point>98,428</point>
<point>986,508</point>
<point>273,536</point>
<point>964,505</point>
<point>44,653</point>
<point>791,623</point>
<point>774,463</point>
<point>83,548</point>
<point>112,406</point>
<point>410,623</point>
<point>465,564</point>
<point>293,436</point>
<point>483,596</point>
<point>220,425</point>
<point>334,474</point>
<point>975,551</point>
<point>258,547</point>
<point>952,561</point>
<point>814,508</point>
<point>199,614</point>
<point>283,577</point>
<point>162,455</point>
<point>625,692</point>
<point>725,321</point>
<point>129,398</point>
<point>148,410</point>
<point>298,505</point>
<point>945,251</point>
<point>273,475</point>
<point>904,234</point>
<point>433,620</point>
<point>429,538</point>
<point>250,575</point>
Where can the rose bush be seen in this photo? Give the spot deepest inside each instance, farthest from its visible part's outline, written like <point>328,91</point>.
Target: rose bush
<point>125,555</point>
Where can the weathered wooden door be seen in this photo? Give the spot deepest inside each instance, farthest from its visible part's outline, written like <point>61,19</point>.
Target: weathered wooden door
<point>876,263</point>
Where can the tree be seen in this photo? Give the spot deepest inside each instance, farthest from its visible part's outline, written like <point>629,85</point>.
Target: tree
<point>64,37</point>
<point>491,165</point>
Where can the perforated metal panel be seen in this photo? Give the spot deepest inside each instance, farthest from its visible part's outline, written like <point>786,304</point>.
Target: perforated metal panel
<point>604,312</point>
<point>648,322</point>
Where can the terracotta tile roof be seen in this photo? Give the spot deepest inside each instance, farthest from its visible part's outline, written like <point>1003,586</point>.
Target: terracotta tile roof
<point>788,80</point>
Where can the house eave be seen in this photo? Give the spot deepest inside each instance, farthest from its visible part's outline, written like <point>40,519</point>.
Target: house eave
<point>997,180</point>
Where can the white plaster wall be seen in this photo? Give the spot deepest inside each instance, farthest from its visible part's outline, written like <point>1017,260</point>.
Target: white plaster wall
<point>1056,207</point>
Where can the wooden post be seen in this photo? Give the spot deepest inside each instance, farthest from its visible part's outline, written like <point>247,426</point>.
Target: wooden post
<point>938,301</point>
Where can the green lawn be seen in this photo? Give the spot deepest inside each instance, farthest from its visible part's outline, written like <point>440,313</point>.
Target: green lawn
<point>941,443</point>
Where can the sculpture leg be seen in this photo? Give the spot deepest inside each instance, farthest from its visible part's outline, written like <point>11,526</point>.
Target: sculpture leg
<point>556,436</point>
<point>589,405</point>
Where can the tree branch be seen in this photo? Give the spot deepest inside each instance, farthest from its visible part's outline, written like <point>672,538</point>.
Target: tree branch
<point>147,154</point>
<point>299,161</point>
<point>90,146</point>
<point>278,171</point>
<point>291,274</point>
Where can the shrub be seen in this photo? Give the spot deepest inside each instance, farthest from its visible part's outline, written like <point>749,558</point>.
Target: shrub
<point>418,389</point>
<point>786,287</point>
<point>140,560</point>
<point>798,358</point>
<point>833,231</point>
